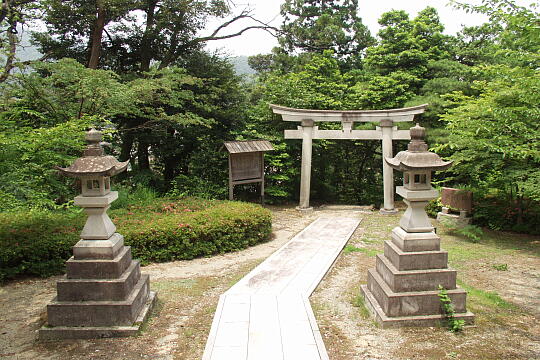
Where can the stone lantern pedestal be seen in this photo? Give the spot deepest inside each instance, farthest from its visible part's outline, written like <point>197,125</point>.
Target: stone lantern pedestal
<point>402,290</point>
<point>103,293</point>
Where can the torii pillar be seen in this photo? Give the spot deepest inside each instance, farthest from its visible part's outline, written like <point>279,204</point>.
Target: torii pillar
<point>386,131</point>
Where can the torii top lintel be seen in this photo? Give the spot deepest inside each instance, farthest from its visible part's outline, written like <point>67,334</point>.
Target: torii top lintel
<point>397,115</point>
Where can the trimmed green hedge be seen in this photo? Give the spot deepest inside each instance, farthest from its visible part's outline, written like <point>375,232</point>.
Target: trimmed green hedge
<point>39,243</point>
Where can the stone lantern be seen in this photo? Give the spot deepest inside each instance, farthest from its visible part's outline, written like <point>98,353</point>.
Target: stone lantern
<point>403,288</point>
<point>103,293</point>
<point>417,163</point>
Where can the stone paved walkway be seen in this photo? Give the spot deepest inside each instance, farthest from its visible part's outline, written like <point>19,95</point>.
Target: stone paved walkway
<point>267,315</point>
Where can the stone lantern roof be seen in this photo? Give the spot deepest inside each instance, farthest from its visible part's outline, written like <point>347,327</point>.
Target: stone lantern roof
<point>417,156</point>
<point>94,162</point>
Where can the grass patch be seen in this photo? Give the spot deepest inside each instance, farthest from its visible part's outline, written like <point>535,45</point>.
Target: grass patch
<point>369,252</point>
<point>487,298</point>
<point>188,287</point>
<point>500,267</point>
<point>360,303</point>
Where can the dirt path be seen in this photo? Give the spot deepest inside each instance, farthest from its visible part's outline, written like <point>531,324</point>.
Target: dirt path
<point>507,322</point>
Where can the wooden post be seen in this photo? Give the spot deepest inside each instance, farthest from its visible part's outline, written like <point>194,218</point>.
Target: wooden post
<point>262,178</point>
<point>231,186</point>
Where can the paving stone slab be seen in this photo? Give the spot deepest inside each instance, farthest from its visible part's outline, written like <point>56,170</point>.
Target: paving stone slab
<point>267,315</point>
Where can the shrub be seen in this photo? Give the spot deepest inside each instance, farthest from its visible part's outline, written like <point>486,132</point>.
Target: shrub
<point>434,207</point>
<point>498,213</point>
<point>39,243</point>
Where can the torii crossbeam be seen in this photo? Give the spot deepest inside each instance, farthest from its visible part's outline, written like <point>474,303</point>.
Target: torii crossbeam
<point>385,131</point>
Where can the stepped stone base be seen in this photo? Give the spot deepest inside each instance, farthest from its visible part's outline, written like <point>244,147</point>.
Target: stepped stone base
<point>99,289</point>
<point>411,303</point>
<point>414,280</point>
<point>100,313</point>
<point>103,293</point>
<point>402,290</point>
<point>97,332</point>
<point>421,260</point>
<point>415,241</point>
<point>412,321</point>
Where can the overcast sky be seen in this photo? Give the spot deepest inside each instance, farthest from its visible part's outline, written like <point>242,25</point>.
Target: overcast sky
<point>255,42</point>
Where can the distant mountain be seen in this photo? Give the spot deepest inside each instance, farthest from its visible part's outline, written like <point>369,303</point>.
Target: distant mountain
<point>241,65</point>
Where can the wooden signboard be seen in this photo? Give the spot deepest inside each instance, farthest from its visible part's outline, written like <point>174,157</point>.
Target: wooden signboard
<point>246,163</point>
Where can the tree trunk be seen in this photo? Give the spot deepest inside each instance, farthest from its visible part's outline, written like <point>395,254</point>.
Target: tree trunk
<point>142,155</point>
<point>127,145</point>
<point>146,42</point>
<point>97,35</point>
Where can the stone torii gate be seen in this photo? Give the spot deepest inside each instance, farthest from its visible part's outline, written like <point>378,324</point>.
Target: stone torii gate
<point>385,131</point>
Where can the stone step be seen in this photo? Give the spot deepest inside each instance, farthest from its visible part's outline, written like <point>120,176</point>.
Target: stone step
<point>100,313</point>
<point>415,260</point>
<point>428,241</point>
<point>100,289</point>
<point>99,268</point>
<point>99,249</point>
<point>411,303</point>
<point>414,280</point>
<point>400,321</point>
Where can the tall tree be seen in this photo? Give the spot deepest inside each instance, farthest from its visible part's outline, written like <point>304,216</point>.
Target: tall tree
<point>14,15</point>
<point>319,25</point>
<point>114,35</point>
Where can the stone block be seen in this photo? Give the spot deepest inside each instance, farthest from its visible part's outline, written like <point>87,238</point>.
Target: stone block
<point>411,303</point>
<point>100,313</point>
<point>99,268</point>
<point>98,332</point>
<point>415,242</point>
<point>100,289</point>
<point>96,201</point>
<point>457,199</point>
<point>414,320</point>
<point>455,220</point>
<point>414,280</point>
<point>99,249</point>
<point>415,260</point>
<point>417,195</point>
<point>415,219</point>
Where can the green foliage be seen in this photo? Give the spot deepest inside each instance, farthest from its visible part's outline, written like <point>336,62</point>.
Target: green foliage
<point>494,137</point>
<point>27,160</point>
<point>315,26</point>
<point>360,303</point>
<point>500,267</point>
<point>36,242</point>
<point>63,91</point>
<point>501,213</point>
<point>434,207</point>
<point>224,227</point>
<point>184,185</point>
<point>351,249</point>
<point>487,298</point>
<point>453,324</point>
<point>39,243</point>
<point>138,195</point>
<point>471,232</point>
<point>167,34</point>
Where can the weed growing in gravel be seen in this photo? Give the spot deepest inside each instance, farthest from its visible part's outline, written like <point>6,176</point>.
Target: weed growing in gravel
<point>351,248</point>
<point>501,267</point>
<point>359,303</point>
<point>453,324</point>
